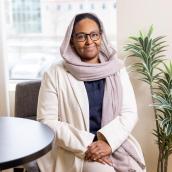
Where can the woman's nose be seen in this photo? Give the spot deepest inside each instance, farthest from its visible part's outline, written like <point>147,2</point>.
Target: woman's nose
<point>88,40</point>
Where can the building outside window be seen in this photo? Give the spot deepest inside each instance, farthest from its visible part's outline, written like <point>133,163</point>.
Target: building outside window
<point>36,29</point>
<point>26,16</point>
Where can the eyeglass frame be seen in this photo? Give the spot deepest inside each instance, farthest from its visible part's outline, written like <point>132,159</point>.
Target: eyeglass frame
<point>86,35</point>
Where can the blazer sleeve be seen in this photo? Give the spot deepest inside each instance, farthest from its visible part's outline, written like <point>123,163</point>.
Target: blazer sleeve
<point>66,136</point>
<point>118,130</point>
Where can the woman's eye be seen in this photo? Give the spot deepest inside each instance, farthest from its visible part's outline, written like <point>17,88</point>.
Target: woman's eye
<point>94,34</point>
<point>80,36</point>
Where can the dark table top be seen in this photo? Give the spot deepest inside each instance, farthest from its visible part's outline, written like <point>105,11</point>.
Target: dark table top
<point>22,140</point>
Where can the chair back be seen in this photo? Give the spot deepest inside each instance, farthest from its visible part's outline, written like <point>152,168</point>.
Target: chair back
<point>26,99</point>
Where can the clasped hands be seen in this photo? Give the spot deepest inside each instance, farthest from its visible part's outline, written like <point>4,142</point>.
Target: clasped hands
<point>99,151</point>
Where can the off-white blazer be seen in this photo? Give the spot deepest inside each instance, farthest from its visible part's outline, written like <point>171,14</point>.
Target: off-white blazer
<point>63,106</point>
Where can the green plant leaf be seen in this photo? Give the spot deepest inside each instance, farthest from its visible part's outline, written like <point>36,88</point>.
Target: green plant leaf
<point>154,70</point>
<point>150,31</point>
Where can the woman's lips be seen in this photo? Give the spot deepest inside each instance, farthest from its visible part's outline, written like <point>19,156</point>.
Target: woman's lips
<point>90,47</point>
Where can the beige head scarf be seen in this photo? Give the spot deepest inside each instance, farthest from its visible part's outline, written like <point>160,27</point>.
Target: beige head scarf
<point>108,68</point>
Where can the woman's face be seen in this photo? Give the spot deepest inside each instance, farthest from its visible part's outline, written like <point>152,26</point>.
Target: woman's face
<point>87,46</point>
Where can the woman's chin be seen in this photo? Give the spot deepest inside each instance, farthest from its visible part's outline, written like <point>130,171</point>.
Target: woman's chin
<point>90,59</point>
<point>90,55</point>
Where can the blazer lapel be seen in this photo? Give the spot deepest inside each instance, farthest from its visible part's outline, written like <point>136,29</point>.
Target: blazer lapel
<point>81,95</point>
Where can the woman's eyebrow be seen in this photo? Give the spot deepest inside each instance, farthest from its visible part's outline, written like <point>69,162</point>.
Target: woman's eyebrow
<point>87,32</point>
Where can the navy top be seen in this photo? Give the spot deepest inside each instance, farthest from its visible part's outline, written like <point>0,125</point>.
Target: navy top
<point>95,92</point>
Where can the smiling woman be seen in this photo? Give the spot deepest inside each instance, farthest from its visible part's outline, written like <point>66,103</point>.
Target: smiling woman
<point>87,99</point>
<point>86,39</point>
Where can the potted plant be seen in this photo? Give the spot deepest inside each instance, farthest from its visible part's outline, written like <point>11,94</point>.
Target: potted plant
<point>157,73</point>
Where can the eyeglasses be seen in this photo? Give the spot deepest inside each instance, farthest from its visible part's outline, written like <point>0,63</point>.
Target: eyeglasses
<point>81,37</point>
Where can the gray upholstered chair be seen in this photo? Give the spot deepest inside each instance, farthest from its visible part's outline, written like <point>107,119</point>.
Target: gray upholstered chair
<point>26,98</point>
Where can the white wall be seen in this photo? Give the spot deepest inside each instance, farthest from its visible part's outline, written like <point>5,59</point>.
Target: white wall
<point>132,16</point>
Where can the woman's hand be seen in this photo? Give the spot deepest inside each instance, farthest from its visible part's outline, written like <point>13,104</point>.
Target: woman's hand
<point>97,150</point>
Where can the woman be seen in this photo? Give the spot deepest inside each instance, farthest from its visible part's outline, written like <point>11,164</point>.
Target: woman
<point>89,102</point>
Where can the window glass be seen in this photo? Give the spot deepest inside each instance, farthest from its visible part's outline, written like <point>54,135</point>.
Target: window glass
<point>35,30</point>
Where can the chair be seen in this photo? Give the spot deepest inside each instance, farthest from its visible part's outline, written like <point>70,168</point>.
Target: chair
<point>26,98</point>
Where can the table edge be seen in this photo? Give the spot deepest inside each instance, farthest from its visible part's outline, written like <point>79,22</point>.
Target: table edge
<point>24,160</point>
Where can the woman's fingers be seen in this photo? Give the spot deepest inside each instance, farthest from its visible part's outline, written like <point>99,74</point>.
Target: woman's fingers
<point>97,155</point>
<point>98,149</point>
<point>93,147</point>
<point>93,155</point>
<point>88,155</point>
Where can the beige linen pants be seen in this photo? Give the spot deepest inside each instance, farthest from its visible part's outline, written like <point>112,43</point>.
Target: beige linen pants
<point>96,166</point>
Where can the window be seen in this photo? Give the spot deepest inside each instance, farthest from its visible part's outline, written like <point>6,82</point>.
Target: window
<point>26,16</point>
<point>36,29</point>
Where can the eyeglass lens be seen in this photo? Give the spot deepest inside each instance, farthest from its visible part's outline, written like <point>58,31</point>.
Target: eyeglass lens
<point>94,36</point>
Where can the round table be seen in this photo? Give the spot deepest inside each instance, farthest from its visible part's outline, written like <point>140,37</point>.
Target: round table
<point>22,140</point>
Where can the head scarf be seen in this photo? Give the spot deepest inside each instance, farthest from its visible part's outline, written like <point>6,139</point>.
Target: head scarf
<point>109,69</point>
